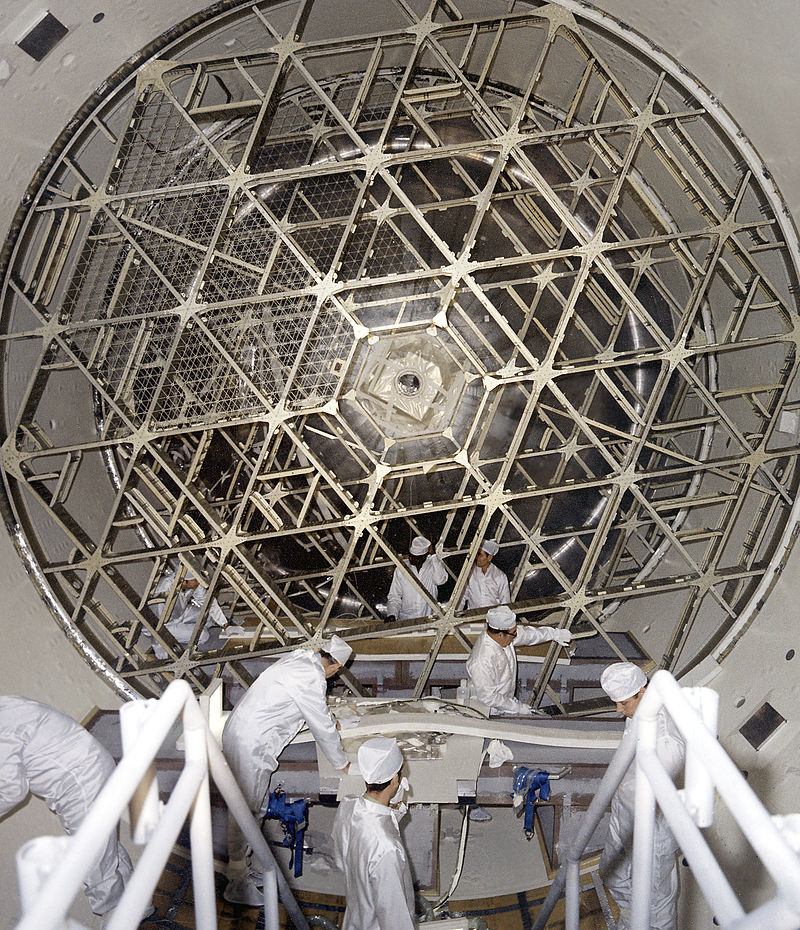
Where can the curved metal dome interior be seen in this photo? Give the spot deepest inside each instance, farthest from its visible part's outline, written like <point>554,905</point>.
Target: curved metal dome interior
<point>283,298</point>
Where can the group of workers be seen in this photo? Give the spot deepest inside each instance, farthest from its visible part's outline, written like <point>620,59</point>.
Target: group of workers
<point>367,843</point>
<point>487,585</point>
<point>48,754</point>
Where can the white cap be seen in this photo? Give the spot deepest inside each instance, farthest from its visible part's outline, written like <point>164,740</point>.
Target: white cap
<point>501,618</point>
<point>490,547</point>
<point>338,649</point>
<point>379,759</point>
<point>419,545</point>
<point>622,680</point>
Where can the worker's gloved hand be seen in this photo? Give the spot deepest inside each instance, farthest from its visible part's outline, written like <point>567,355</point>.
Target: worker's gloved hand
<point>439,549</point>
<point>562,637</point>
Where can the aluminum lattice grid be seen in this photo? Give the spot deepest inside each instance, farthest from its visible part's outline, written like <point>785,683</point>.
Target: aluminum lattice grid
<point>454,276</point>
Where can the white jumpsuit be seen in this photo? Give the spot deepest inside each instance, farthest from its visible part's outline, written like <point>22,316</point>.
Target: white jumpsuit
<point>288,694</point>
<point>47,753</point>
<point>486,589</point>
<point>404,601</point>
<point>615,862</point>
<point>492,669</point>
<point>368,848</point>
<point>185,611</point>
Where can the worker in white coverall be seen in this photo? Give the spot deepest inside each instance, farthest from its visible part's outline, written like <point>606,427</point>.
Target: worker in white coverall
<point>367,845</point>
<point>189,602</point>
<point>625,684</point>
<point>487,585</point>
<point>492,664</point>
<point>48,754</point>
<point>288,694</point>
<point>405,602</point>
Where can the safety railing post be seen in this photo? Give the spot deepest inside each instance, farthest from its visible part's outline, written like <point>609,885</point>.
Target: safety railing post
<point>573,903</point>
<point>699,790</point>
<point>144,808</point>
<point>271,915</point>
<point>644,819</point>
<point>710,770</point>
<point>200,838</point>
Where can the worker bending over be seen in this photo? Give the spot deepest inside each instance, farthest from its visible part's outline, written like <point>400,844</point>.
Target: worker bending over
<point>367,845</point>
<point>47,753</point>
<point>492,663</point>
<point>288,694</point>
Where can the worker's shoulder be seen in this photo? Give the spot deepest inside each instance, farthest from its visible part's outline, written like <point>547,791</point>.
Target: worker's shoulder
<point>301,666</point>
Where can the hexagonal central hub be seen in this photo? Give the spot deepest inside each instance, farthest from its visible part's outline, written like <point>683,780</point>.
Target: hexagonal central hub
<point>409,385</point>
<point>412,389</point>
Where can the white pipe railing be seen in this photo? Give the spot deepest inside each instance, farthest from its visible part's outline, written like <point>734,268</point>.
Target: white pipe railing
<point>708,769</point>
<point>51,880</point>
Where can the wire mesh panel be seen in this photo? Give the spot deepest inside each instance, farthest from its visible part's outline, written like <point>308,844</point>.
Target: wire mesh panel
<point>287,297</point>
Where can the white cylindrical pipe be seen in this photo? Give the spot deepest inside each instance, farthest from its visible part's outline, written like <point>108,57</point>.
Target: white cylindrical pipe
<point>699,789</point>
<point>271,916</point>
<point>745,807</point>
<point>573,903</point>
<point>105,814</point>
<point>644,819</point>
<point>605,791</point>
<point>36,859</point>
<point>200,838</point>
<point>237,806</point>
<point>139,890</point>
<point>145,806</point>
<point>715,886</point>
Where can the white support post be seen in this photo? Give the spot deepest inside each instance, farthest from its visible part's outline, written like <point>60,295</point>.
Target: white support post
<point>237,806</point>
<point>694,712</point>
<point>774,852</point>
<point>271,914</point>
<point>699,790</point>
<point>716,888</point>
<point>573,894</point>
<point>145,806</point>
<point>36,860</point>
<point>51,869</point>
<point>644,821</point>
<point>139,890</point>
<point>205,898</point>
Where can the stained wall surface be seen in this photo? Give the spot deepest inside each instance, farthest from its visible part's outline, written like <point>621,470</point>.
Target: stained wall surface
<point>744,51</point>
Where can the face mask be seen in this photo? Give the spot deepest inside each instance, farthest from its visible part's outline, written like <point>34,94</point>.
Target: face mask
<point>398,808</point>
<point>398,796</point>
